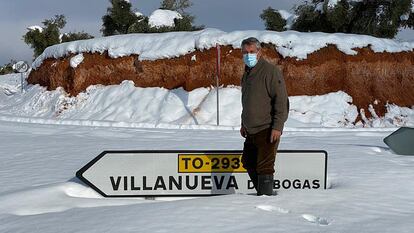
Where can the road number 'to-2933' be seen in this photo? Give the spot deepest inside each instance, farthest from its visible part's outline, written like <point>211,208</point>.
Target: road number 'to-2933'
<point>210,163</point>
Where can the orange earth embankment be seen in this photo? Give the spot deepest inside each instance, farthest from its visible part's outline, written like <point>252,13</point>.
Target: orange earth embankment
<point>368,77</point>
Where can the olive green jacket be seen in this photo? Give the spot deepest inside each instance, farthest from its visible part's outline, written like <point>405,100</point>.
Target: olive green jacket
<point>265,100</point>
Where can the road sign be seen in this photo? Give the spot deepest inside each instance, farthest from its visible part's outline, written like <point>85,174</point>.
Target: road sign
<point>401,141</point>
<point>194,172</point>
<point>21,67</point>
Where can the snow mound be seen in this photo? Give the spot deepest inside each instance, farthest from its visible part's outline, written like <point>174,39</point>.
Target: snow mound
<point>328,110</point>
<point>161,17</point>
<point>125,105</point>
<point>56,198</point>
<point>152,46</point>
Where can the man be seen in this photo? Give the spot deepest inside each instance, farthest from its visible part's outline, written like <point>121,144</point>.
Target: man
<point>265,109</point>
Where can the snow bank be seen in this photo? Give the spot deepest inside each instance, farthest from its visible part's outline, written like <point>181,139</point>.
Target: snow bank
<point>152,46</point>
<point>160,18</point>
<point>125,105</point>
<point>53,198</point>
<point>333,109</point>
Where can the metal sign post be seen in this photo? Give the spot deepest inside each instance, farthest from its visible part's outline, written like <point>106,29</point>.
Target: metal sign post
<point>217,80</point>
<point>21,67</point>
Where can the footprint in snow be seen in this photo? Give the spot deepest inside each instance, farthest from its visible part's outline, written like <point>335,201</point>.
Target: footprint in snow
<point>315,219</point>
<point>272,208</point>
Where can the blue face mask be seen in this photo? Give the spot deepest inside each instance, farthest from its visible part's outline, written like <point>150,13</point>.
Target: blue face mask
<point>250,59</point>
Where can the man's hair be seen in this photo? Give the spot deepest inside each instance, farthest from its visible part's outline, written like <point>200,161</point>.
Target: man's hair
<point>251,40</point>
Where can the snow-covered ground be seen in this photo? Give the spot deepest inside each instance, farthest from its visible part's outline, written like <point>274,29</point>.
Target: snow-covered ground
<point>370,188</point>
<point>47,136</point>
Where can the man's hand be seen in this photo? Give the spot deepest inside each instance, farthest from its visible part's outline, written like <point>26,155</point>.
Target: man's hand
<point>275,135</point>
<point>243,131</point>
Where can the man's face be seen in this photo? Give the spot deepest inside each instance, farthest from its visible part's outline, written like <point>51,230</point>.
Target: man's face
<point>251,49</point>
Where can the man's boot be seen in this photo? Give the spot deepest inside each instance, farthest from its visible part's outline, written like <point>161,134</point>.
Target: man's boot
<point>253,177</point>
<point>265,185</point>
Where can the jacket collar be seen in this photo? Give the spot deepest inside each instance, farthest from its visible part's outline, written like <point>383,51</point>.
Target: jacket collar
<point>255,68</point>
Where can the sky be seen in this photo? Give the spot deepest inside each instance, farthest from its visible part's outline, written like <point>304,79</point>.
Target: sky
<point>81,15</point>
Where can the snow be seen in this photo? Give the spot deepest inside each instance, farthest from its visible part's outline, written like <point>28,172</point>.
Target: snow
<point>380,12</point>
<point>76,60</point>
<point>332,3</point>
<point>138,14</point>
<point>289,17</point>
<point>10,84</point>
<point>152,46</point>
<point>405,114</point>
<point>161,17</point>
<point>61,36</point>
<point>125,105</point>
<point>405,16</point>
<point>412,6</point>
<point>319,7</point>
<point>47,136</point>
<point>330,110</point>
<point>35,27</point>
<point>369,186</point>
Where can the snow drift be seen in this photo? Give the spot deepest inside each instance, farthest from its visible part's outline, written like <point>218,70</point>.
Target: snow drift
<point>126,105</point>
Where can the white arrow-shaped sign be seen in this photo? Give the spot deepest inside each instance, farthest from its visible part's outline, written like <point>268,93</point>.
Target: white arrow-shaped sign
<point>194,172</point>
